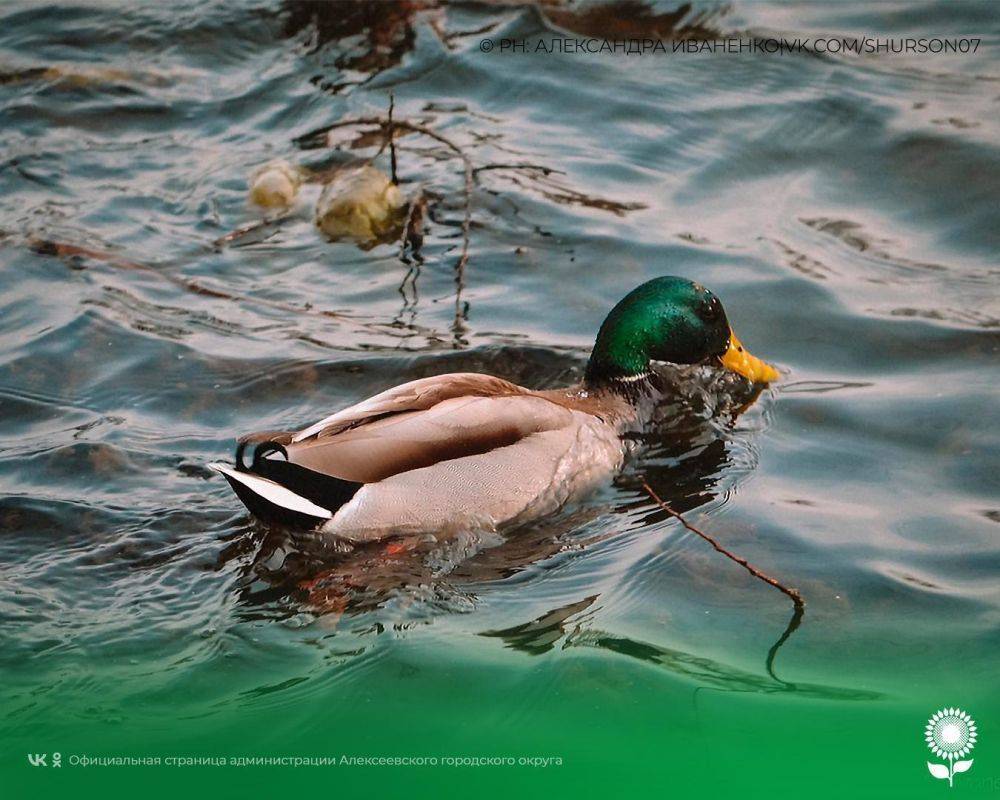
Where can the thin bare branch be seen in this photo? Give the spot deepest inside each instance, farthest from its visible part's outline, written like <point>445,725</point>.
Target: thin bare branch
<point>392,141</point>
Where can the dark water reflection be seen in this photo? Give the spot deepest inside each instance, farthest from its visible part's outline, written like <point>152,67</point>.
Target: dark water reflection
<point>844,208</point>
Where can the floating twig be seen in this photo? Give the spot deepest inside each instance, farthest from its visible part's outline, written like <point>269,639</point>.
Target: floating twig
<point>536,167</point>
<point>67,250</point>
<point>269,224</point>
<point>793,594</point>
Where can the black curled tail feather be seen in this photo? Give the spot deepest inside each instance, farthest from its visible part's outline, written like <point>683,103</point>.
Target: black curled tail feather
<point>327,491</point>
<point>264,443</point>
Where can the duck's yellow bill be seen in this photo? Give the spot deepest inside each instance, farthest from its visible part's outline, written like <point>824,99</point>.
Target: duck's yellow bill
<point>738,359</point>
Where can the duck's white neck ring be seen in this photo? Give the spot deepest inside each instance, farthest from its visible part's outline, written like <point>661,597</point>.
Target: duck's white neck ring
<point>632,387</point>
<point>641,376</point>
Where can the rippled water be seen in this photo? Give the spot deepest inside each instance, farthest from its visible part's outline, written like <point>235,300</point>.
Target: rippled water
<point>845,208</point>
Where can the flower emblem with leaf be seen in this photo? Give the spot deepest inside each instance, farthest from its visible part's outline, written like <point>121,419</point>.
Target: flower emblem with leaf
<point>951,734</point>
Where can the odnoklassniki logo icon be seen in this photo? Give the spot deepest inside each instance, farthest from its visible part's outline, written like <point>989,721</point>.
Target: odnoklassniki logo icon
<point>950,734</point>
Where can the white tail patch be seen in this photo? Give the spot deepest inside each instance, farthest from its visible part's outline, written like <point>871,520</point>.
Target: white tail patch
<point>273,492</point>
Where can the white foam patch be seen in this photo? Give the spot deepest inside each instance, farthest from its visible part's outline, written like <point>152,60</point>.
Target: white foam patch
<point>273,492</point>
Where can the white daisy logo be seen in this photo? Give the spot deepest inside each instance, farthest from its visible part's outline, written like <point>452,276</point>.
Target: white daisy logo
<point>951,734</point>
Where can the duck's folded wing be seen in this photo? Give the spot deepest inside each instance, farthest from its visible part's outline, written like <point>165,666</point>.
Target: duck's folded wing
<point>416,395</point>
<point>409,440</point>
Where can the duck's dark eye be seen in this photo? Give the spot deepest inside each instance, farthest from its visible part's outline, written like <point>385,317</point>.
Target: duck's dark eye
<point>710,310</point>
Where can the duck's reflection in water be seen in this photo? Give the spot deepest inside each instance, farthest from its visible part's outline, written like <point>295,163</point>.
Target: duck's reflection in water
<point>566,627</point>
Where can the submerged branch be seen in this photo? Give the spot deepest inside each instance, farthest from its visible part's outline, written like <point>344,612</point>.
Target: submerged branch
<point>793,594</point>
<point>388,127</point>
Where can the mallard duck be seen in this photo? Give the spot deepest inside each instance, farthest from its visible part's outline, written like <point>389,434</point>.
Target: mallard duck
<point>472,451</point>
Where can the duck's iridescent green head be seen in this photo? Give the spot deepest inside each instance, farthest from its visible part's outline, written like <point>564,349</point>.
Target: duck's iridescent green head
<point>668,319</point>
